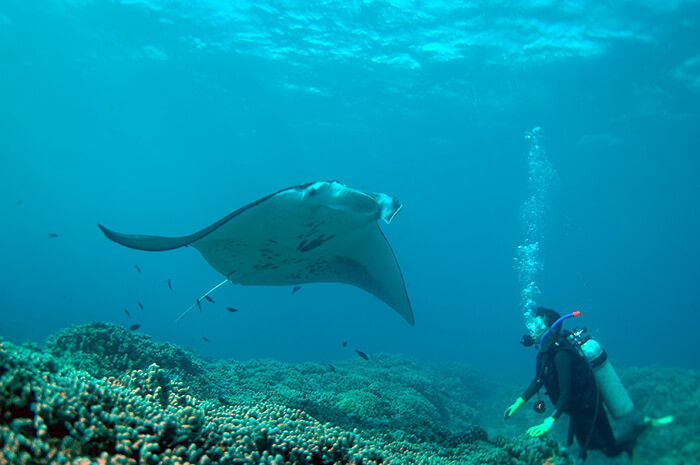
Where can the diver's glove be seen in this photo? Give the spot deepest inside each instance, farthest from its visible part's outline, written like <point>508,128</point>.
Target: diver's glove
<point>513,408</point>
<point>539,430</point>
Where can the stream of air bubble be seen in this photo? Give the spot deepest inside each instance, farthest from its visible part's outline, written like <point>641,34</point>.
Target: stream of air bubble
<point>534,214</point>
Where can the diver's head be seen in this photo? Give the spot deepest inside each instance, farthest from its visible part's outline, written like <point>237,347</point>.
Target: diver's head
<point>548,315</point>
<point>539,320</point>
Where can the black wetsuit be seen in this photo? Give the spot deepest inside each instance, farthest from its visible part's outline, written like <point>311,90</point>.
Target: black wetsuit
<point>572,388</point>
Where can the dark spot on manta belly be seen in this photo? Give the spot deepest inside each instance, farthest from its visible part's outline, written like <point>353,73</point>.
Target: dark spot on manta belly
<point>266,266</point>
<point>305,246</point>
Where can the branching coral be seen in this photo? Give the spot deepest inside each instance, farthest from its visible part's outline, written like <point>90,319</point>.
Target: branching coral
<point>53,413</point>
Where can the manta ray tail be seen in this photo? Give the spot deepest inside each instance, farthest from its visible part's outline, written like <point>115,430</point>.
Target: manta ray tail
<point>182,315</point>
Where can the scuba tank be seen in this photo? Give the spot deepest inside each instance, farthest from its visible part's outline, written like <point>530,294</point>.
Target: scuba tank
<point>614,394</point>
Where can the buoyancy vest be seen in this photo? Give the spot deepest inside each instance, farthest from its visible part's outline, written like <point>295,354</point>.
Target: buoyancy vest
<point>583,384</point>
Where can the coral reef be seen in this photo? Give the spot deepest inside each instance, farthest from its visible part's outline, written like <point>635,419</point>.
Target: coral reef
<point>105,349</point>
<point>53,415</point>
<point>55,410</point>
<point>390,393</point>
<point>98,394</point>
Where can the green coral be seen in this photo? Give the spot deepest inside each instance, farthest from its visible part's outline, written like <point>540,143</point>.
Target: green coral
<point>94,395</point>
<point>147,418</point>
<point>390,393</point>
<point>105,349</point>
<point>361,404</point>
<point>260,411</point>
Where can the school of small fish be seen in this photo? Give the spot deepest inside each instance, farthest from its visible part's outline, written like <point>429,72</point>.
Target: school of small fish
<point>223,401</point>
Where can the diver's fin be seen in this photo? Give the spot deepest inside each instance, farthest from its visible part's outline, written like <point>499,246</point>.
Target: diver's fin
<point>656,422</point>
<point>648,423</point>
<point>635,458</point>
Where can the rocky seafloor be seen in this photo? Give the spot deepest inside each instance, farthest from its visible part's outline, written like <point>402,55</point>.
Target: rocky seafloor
<point>99,394</point>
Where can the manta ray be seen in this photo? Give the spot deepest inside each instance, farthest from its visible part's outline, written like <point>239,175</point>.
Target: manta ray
<point>317,232</point>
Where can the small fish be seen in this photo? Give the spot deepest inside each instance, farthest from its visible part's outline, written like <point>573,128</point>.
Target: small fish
<point>231,309</point>
<point>224,401</point>
<point>205,339</point>
<point>19,202</point>
<point>127,313</point>
<point>140,305</point>
<point>53,235</point>
<point>362,354</point>
<point>209,298</point>
<point>170,285</point>
<point>345,343</point>
<point>331,367</point>
<point>296,288</point>
<point>134,327</point>
<point>137,268</point>
<point>199,306</point>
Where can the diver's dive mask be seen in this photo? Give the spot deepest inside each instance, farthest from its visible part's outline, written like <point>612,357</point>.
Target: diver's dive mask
<point>536,327</point>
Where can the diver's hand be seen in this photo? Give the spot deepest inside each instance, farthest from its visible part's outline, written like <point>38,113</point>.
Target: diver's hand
<point>513,408</point>
<point>539,430</point>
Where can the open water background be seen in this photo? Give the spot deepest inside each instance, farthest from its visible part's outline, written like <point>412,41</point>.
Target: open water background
<point>160,117</point>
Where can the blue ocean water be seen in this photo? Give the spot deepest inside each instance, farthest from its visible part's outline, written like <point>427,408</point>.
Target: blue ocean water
<point>160,117</point>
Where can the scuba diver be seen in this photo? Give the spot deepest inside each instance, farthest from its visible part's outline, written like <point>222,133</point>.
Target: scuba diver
<point>579,379</point>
